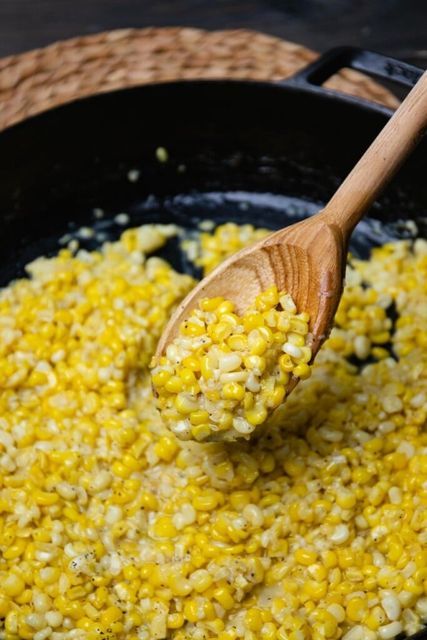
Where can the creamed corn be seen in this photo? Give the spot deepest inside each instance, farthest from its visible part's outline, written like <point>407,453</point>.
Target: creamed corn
<point>111,528</point>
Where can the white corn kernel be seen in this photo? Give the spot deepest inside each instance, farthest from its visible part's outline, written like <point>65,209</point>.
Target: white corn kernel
<point>228,362</point>
<point>41,602</point>
<point>42,634</point>
<point>292,350</point>
<point>243,426</point>
<point>395,495</point>
<point>421,608</point>
<point>340,534</point>
<point>254,515</point>
<point>388,631</point>
<point>337,611</point>
<point>35,620</point>
<point>54,618</point>
<point>356,633</point>
<point>391,606</point>
<point>362,347</point>
<point>287,303</point>
<point>392,404</point>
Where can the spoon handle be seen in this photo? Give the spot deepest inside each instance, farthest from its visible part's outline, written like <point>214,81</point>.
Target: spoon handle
<point>381,160</point>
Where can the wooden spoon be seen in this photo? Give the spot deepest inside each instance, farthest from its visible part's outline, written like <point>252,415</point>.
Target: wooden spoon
<point>308,259</point>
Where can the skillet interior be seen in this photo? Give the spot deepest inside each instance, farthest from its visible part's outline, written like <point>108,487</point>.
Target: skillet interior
<point>252,152</point>
<point>244,151</point>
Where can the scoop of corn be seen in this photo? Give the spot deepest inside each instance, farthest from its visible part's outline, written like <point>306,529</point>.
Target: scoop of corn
<point>224,374</point>
<point>112,529</point>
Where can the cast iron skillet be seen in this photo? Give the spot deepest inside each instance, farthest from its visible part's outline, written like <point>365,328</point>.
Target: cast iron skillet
<point>245,151</point>
<point>257,152</point>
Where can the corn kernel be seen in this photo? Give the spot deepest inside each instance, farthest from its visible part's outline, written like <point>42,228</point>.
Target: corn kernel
<point>164,527</point>
<point>305,556</point>
<point>224,597</point>
<point>175,620</point>
<point>13,585</point>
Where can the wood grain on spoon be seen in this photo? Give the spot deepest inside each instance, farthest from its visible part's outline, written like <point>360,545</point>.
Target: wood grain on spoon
<point>308,259</point>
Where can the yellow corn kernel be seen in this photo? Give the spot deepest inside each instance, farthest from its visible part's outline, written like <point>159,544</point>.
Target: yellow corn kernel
<point>381,337</point>
<point>226,306</point>
<point>255,362</point>
<point>191,611</point>
<point>356,609</point>
<point>305,556</point>
<point>225,421</point>
<point>346,499</point>
<point>45,499</point>
<point>257,345</point>
<point>110,615</point>
<point>121,470</point>
<point>267,299</point>
<point>164,527</point>
<point>252,321</point>
<point>296,339</point>
<point>166,448</point>
<point>206,368</point>
<point>5,606</point>
<point>189,328</point>
<point>302,371</point>
<point>306,354</point>
<point>131,462</point>
<point>372,622</point>
<point>192,363</point>
<point>299,325</point>
<point>253,619</point>
<point>285,363</point>
<point>174,384</point>
<point>201,580</point>
<point>277,396</point>
<point>134,618</point>
<point>201,431</point>
<point>200,416</point>
<point>257,415</point>
<point>206,501</point>
<point>175,620</point>
<point>11,624</point>
<point>224,597</point>
<point>315,590</point>
<point>13,585</point>
<point>15,550</point>
<point>160,378</point>
<point>75,593</point>
<point>294,468</point>
<point>233,391</point>
<point>238,342</point>
<point>210,304</point>
<point>361,475</point>
<point>185,404</point>
<point>130,572</point>
<point>268,631</point>
<point>318,572</point>
<point>218,332</point>
<point>249,400</point>
<point>179,585</point>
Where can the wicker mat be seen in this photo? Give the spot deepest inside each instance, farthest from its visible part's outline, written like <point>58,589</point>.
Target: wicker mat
<point>41,79</point>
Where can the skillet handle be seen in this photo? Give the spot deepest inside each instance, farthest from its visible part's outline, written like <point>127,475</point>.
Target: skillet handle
<point>374,64</point>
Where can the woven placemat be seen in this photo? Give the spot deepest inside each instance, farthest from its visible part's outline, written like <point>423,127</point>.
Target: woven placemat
<point>41,79</point>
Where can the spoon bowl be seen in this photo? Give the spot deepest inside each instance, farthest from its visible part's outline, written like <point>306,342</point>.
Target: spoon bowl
<point>293,260</point>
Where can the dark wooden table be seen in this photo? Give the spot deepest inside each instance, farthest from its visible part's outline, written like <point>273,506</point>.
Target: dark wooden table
<point>396,27</point>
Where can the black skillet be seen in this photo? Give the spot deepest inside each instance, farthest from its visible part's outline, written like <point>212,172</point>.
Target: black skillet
<point>257,152</point>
